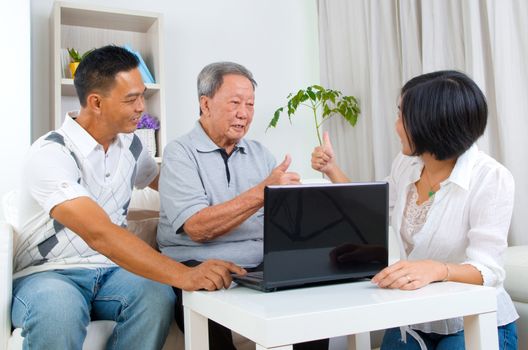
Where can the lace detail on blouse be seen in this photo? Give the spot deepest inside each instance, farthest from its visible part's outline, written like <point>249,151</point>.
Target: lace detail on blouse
<point>414,216</point>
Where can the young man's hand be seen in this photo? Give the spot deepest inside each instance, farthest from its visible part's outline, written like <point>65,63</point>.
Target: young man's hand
<point>210,275</point>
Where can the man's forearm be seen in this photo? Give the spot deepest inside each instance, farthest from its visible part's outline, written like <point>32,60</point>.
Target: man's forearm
<point>93,225</point>
<point>144,261</point>
<point>221,219</point>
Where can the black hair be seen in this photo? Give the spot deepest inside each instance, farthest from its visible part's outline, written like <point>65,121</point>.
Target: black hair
<point>443,113</point>
<point>98,69</point>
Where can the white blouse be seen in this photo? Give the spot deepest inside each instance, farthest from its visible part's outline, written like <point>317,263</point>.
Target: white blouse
<point>414,217</point>
<point>467,223</point>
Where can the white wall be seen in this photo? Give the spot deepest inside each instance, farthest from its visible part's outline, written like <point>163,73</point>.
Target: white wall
<point>275,39</point>
<point>15,130</point>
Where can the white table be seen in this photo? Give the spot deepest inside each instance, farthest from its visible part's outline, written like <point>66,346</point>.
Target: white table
<point>277,320</point>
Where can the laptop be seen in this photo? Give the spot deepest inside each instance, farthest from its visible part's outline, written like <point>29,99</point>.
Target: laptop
<point>322,233</point>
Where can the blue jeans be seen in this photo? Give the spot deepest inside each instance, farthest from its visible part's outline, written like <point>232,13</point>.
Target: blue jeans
<point>53,308</point>
<point>392,340</point>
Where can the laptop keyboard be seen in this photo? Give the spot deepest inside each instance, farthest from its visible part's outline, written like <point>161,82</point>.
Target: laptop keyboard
<point>259,274</point>
<point>254,276</point>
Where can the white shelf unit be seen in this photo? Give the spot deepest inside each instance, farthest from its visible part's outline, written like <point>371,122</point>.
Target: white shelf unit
<point>84,27</point>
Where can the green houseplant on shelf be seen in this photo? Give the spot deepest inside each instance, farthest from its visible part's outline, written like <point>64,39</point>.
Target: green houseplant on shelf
<point>75,59</point>
<point>324,104</point>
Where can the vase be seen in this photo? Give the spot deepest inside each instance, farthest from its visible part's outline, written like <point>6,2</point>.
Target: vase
<point>148,140</point>
<point>73,68</point>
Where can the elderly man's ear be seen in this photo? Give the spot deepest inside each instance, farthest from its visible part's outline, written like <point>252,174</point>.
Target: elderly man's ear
<point>204,105</point>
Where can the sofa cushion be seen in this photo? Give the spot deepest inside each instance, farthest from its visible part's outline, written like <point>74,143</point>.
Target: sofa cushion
<point>144,223</point>
<point>146,198</point>
<point>516,266</point>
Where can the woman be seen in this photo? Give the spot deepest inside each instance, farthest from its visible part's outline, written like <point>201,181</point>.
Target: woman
<point>451,204</point>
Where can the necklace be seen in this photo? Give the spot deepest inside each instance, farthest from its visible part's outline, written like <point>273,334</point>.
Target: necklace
<point>431,191</point>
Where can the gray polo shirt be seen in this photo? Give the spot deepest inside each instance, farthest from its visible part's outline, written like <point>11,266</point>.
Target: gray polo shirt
<point>196,174</point>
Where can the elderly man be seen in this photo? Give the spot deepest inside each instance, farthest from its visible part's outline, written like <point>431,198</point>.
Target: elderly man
<point>77,186</point>
<point>212,182</point>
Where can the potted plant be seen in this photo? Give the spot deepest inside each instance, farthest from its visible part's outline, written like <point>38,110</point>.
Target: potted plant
<point>324,104</point>
<point>75,59</point>
<point>146,128</point>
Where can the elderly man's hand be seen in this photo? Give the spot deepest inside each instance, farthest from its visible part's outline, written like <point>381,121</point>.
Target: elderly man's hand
<point>210,275</point>
<point>281,176</point>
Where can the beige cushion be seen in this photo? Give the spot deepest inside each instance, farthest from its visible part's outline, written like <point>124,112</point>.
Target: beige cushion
<point>516,266</point>
<point>146,198</point>
<point>144,223</point>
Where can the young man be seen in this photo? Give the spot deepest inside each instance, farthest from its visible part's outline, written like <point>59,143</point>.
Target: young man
<point>74,259</point>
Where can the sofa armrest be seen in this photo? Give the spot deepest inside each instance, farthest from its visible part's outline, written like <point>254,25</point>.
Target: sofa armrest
<point>6,275</point>
<point>516,267</point>
<point>516,284</point>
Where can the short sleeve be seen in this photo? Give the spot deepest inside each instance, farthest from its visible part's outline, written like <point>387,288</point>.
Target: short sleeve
<point>182,193</point>
<point>147,169</point>
<point>52,176</point>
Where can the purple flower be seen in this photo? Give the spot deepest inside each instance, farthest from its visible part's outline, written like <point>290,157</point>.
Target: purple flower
<point>148,122</point>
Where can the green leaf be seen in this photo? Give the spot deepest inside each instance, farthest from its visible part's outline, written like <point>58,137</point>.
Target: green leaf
<point>299,96</point>
<point>74,55</point>
<point>291,110</point>
<point>86,54</point>
<point>329,102</point>
<point>275,119</point>
<point>332,98</point>
<point>295,102</point>
<point>348,115</point>
<point>326,110</point>
<point>342,109</point>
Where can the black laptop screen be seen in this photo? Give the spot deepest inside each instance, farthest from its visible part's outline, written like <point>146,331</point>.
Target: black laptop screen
<point>325,232</point>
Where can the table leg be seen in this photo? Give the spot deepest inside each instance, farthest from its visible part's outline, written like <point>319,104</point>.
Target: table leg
<point>285,347</point>
<point>480,332</point>
<point>359,341</point>
<point>196,330</point>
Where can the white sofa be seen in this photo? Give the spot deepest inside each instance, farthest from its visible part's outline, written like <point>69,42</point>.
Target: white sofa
<point>516,264</point>
<point>143,218</point>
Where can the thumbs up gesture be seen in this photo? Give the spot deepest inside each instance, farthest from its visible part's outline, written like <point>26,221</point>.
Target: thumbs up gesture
<point>323,158</point>
<point>281,176</point>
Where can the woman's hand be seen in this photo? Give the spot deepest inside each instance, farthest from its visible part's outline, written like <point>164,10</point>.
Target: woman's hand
<point>408,275</point>
<point>323,158</point>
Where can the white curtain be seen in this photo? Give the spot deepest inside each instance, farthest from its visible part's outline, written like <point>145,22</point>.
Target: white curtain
<point>369,49</point>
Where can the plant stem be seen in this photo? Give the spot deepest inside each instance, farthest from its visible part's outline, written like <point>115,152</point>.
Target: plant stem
<point>316,125</point>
